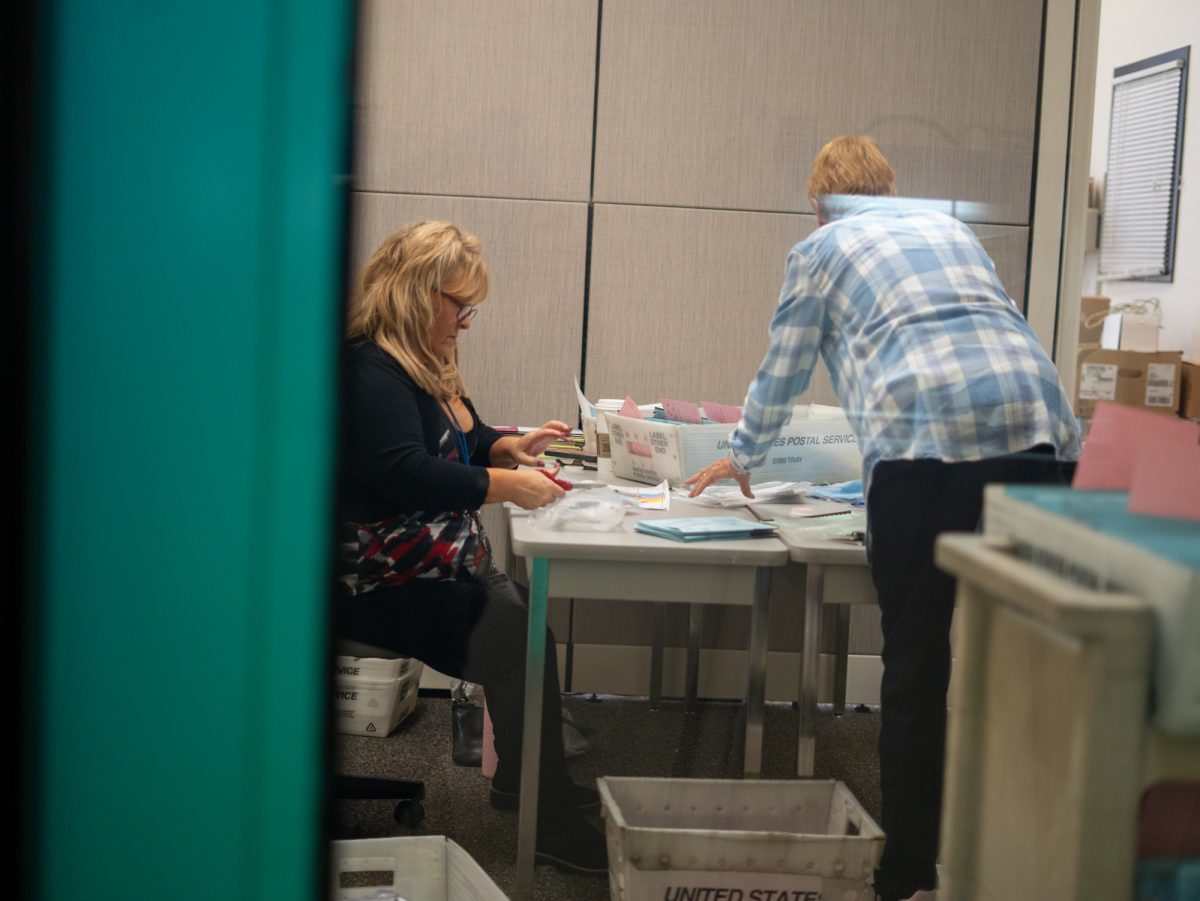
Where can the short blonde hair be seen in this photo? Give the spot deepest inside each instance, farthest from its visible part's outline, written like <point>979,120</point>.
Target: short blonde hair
<point>851,165</point>
<point>394,304</point>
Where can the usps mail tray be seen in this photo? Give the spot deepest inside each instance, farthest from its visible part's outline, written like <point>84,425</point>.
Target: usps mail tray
<point>816,446</point>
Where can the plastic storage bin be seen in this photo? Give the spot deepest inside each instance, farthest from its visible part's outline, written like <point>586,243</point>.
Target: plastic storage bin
<point>1050,742</point>
<point>738,839</point>
<point>417,868</point>
<point>817,445</point>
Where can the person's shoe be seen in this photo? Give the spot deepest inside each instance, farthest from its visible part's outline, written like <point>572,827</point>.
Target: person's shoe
<point>576,845</point>
<point>581,797</point>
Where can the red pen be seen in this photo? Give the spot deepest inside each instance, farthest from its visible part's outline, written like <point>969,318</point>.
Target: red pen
<point>561,483</point>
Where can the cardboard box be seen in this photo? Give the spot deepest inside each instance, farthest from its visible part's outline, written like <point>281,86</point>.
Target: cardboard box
<point>1131,331</point>
<point>373,669</point>
<point>1146,380</point>
<point>375,706</point>
<point>817,446</point>
<point>1092,314</point>
<point>1189,391</point>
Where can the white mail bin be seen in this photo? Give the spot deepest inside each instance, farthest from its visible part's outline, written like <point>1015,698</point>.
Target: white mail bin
<point>417,868</point>
<point>738,839</point>
<point>817,445</point>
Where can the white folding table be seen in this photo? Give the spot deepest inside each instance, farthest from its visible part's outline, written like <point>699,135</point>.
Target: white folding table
<point>628,565</point>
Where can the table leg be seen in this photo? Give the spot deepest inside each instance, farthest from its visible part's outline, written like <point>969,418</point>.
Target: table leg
<point>756,674</point>
<point>842,659</point>
<point>814,590</point>
<point>695,621</point>
<point>656,654</point>
<point>531,735</point>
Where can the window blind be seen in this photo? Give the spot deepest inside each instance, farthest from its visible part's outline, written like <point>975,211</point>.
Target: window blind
<point>1137,231</point>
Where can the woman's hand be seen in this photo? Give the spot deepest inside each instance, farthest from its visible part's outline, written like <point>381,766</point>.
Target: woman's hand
<point>527,488</point>
<point>524,450</point>
<point>714,472</point>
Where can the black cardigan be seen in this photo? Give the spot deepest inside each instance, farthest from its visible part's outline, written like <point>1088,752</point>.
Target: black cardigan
<point>396,436</point>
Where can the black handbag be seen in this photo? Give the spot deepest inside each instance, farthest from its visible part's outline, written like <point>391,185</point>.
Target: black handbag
<point>466,728</point>
<point>466,723</point>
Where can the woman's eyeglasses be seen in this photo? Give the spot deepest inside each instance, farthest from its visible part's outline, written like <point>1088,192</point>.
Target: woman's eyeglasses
<point>466,311</point>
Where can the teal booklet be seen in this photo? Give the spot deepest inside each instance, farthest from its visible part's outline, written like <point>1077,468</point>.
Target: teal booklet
<point>705,528</point>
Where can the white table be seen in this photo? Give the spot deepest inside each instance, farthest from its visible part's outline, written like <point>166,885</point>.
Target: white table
<point>627,565</point>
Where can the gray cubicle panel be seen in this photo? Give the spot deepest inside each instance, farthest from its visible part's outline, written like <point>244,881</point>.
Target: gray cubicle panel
<point>705,103</point>
<point>476,99</point>
<point>707,115</point>
<point>522,350</point>
<point>680,300</point>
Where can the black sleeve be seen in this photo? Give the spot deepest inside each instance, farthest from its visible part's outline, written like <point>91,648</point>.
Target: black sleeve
<point>392,434</point>
<point>485,437</point>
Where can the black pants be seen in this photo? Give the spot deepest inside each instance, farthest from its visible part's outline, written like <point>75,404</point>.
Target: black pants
<point>472,630</point>
<point>910,503</point>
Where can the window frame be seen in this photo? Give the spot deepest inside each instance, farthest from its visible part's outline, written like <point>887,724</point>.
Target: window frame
<point>1121,75</point>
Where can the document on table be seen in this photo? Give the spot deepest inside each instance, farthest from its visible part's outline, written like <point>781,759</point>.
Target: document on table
<point>705,528</point>
<point>731,495</point>
<point>657,497</point>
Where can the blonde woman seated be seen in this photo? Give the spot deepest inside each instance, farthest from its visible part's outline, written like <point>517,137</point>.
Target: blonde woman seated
<point>418,464</point>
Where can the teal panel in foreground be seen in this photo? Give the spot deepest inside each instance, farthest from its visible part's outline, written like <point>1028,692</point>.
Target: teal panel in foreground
<point>185,344</point>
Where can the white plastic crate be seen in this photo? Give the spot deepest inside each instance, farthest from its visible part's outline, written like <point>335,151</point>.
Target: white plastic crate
<point>417,868</point>
<point>376,707</point>
<point>1079,544</point>
<point>817,445</point>
<point>748,839</point>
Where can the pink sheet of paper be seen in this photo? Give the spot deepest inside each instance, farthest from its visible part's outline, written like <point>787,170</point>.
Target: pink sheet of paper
<point>680,410</point>
<point>630,409</point>
<point>1166,482</point>
<point>721,412</point>
<point>1116,440</point>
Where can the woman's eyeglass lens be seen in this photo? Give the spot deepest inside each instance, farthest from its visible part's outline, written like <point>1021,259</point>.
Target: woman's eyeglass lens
<point>466,311</point>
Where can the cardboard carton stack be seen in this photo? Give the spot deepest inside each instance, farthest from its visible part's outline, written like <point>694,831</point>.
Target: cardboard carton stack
<point>1119,360</point>
<point>1189,391</point>
<point>373,695</point>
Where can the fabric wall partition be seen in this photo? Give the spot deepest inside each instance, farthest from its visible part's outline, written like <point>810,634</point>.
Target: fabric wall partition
<point>636,170</point>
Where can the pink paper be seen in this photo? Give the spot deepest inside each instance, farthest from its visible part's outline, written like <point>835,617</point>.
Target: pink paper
<point>1117,439</point>
<point>630,409</point>
<point>680,410</point>
<point>638,449</point>
<point>721,412</point>
<point>1166,482</point>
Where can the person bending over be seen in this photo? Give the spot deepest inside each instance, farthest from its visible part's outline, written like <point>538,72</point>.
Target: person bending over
<point>418,463</point>
<point>946,388</point>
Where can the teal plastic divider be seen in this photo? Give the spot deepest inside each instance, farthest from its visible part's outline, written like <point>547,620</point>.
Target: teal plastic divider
<point>184,348</point>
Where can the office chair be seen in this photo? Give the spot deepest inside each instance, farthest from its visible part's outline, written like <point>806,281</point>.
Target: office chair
<point>408,793</point>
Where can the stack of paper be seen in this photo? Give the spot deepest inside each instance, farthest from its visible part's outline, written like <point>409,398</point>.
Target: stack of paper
<point>731,495</point>
<point>656,498</point>
<point>705,528</point>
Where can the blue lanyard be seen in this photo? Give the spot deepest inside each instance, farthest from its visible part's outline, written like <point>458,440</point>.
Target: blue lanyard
<point>464,452</point>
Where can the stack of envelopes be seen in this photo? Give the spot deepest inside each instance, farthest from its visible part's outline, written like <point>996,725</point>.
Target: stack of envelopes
<point>705,528</point>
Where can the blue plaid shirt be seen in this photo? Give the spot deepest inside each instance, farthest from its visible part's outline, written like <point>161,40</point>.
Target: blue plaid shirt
<point>929,356</point>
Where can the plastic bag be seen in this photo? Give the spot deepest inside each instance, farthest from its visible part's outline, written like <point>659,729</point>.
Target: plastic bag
<point>591,510</point>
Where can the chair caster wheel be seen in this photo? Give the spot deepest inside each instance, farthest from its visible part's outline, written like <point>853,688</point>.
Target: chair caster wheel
<point>409,813</point>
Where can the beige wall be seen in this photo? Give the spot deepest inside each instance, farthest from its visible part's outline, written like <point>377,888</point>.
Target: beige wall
<point>637,171</point>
